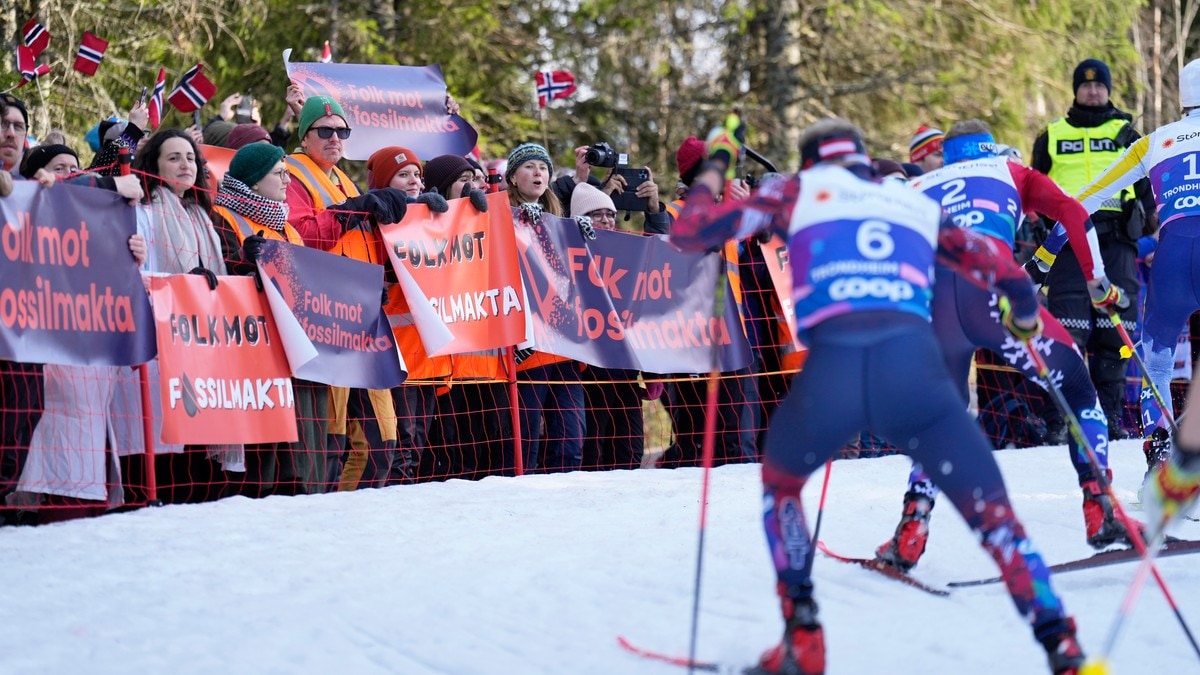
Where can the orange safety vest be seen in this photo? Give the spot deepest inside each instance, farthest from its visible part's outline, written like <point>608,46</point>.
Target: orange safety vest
<point>486,364</point>
<point>358,244</point>
<point>421,366</point>
<point>244,227</point>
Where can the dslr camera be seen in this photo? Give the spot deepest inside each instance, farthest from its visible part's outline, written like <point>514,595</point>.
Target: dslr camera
<point>602,155</point>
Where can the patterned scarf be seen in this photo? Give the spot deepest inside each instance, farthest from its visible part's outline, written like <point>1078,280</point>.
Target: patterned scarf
<point>237,197</point>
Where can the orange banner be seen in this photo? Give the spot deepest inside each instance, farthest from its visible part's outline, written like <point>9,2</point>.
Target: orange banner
<point>775,252</point>
<point>460,276</point>
<point>225,378</point>
<point>217,160</point>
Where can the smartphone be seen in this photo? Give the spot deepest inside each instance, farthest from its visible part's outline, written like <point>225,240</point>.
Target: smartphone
<point>628,199</point>
<point>244,112</point>
<point>142,100</point>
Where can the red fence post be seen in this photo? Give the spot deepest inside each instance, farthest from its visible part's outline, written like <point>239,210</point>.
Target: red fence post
<point>510,366</point>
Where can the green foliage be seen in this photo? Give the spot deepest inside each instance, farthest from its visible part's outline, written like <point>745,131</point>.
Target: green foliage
<point>650,73</point>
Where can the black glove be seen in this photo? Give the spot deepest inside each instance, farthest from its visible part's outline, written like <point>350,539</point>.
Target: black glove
<point>380,206</point>
<point>396,201</point>
<point>252,247</point>
<point>522,354</point>
<point>383,299</point>
<point>478,200</point>
<point>208,275</point>
<point>434,201</point>
<point>1035,272</point>
<point>585,228</point>
<point>363,210</point>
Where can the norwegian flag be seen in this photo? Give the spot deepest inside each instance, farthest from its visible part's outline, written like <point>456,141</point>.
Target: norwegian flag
<point>28,66</point>
<point>91,52</point>
<point>552,84</point>
<point>326,53</point>
<point>155,107</point>
<point>193,90</point>
<point>35,36</point>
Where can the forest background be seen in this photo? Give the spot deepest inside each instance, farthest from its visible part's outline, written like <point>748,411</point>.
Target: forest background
<point>650,73</point>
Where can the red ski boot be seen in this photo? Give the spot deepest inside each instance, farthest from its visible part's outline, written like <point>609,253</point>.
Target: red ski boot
<point>802,650</point>
<point>905,548</point>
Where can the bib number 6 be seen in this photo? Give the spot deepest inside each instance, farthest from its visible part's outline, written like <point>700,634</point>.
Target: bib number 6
<point>875,240</point>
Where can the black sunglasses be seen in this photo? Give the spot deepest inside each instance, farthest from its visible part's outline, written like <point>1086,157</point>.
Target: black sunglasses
<point>328,132</point>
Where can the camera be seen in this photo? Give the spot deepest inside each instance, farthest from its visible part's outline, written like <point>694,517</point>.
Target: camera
<point>602,155</point>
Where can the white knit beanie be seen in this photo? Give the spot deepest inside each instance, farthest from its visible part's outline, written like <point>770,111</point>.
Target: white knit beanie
<point>1189,85</point>
<point>587,198</point>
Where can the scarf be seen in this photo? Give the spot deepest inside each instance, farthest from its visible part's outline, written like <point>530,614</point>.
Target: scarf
<point>181,236</point>
<point>239,198</point>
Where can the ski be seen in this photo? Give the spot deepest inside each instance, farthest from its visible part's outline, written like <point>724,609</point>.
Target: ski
<point>884,569</point>
<point>1173,547</point>
<point>682,661</point>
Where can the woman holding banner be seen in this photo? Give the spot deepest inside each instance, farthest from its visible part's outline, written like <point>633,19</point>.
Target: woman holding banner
<point>69,465</point>
<point>250,209</point>
<point>550,387</point>
<point>181,239</point>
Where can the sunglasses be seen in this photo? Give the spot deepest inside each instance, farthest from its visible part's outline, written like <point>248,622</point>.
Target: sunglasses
<point>328,132</point>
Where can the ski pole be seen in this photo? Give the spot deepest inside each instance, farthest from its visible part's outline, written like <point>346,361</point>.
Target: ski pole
<point>1135,536</point>
<point>1099,665</point>
<point>816,537</point>
<point>707,451</point>
<point>1167,411</point>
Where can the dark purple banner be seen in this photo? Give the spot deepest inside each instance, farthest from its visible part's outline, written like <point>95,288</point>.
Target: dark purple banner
<point>626,301</point>
<point>334,303</point>
<point>70,290</point>
<point>388,105</point>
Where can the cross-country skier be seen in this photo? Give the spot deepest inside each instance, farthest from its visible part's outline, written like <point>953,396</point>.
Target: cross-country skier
<point>988,194</point>
<point>862,258</point>
<point>1170,157</point>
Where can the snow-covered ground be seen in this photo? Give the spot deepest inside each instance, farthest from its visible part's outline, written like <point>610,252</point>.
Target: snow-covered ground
<point>541,574</point>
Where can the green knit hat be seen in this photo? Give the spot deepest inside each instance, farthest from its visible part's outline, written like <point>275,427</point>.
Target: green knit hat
<point>252,162</point>
<point>526,152</point>
<point>317,107</point>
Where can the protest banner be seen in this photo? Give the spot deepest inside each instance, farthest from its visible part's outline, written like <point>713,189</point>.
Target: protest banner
<point>388,105</point>
<point>459,274</point>
<point>328,307</point>
<point>70,290</point>
<point>626,301</point>
<point>224,376</point>
<point>775,253</point>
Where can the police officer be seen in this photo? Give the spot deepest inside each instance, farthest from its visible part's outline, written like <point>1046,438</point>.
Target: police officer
<point>1072,151</point>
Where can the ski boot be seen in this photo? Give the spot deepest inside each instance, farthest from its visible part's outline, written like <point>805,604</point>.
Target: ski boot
<point>1062,649</point>
<point>1157,449</point>
<point>1102,525</point>
<point>802,650</point>
<point>905,548</point>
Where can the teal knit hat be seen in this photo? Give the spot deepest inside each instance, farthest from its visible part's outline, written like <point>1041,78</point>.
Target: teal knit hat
<point>317,107</point>
<point>252,162</point>
<point>526,152</point>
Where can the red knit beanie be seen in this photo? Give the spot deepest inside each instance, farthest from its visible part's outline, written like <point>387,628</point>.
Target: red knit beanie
<point>383,165</point>
<point>688,158</point>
